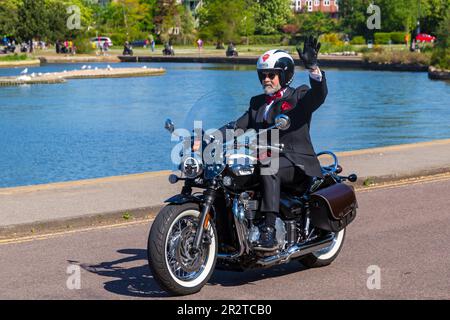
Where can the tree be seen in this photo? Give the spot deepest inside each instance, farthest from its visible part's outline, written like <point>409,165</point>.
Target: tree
<point>398,15</point>
<point>56,14</point>
<point>315,23</point>
<point>353,16</point>
<point>133,13</point>
<point>272,15</point>
<point>167,19</point>
<point>238,20</point>
<point>147,22</point>
<point>432,14</point>
<point>8,18</point>
<point>187,25</point>
<point>441,54</point>
<point>33,20</point>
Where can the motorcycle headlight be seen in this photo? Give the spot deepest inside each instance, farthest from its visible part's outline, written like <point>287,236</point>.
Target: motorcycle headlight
<point>191,167</point>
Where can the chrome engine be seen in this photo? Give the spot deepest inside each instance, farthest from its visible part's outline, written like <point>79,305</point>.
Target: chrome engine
<point>287,234</point>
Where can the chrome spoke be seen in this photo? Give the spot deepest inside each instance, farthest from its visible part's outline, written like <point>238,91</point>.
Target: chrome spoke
<point>182,262</point>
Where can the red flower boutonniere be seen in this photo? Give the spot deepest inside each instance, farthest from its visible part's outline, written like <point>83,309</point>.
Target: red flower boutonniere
<point>286,106</point>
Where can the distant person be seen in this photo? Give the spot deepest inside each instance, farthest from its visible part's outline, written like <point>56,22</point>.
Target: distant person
<point>200,45</point>
<point>57,47</point>
<point>105,47</point>
<point>99,45</point>
<point>407,39</point>
<point>414,34</point>
<point>66,46</point>
<point>152,44</point>
<point>346,39</point>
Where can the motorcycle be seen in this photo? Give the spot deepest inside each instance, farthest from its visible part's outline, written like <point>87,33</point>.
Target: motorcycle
<point>197,232</point>
<point>24,48</point>
<point>231,51</point>
<point>9,48</point>
<point>168,50</point>
<point>127,50</point>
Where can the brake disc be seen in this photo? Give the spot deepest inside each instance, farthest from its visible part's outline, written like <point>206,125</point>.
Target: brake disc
<point>189,261</point>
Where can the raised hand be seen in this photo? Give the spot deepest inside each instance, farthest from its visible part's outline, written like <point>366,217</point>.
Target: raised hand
<point>310,52</point>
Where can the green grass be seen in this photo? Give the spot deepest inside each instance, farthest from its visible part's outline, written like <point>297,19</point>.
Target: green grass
<point>127,216</point>
<point>14,57</point>
<point>369,182</point>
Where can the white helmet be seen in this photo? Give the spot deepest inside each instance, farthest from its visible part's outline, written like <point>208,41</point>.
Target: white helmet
<point>279,61</point>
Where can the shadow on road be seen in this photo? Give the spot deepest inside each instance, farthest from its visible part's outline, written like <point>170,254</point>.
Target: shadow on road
<point>133,281</point>
<point>234,278</point>
<point>138,281</point>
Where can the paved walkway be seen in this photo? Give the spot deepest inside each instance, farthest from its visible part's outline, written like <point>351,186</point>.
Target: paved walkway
<point>58,77</point>
<point>19,63</point>
<point>86,202</point>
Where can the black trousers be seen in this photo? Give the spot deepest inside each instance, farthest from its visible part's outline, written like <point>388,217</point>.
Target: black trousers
<point>287,173</point>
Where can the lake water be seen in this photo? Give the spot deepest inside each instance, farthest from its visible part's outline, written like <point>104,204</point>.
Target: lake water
<point>106,127</point>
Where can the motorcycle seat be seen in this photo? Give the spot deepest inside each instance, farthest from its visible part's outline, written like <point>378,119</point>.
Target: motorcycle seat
<point>299,188</point>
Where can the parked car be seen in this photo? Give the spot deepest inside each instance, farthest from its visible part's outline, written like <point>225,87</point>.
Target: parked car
<point>423,37</point>
<point>139,43</point>
<point>100,41</point>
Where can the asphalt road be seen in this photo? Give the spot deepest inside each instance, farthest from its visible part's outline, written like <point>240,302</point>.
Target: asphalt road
<point>402,230</point>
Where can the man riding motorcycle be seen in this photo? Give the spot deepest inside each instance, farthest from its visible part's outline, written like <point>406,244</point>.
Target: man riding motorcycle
<point>298,161</point>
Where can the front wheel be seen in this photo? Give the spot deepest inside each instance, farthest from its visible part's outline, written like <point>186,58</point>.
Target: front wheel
<point>175,267</point>
<point>327,255</point>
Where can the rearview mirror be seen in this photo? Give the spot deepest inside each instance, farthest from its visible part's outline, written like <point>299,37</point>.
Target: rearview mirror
<point>169,126</point>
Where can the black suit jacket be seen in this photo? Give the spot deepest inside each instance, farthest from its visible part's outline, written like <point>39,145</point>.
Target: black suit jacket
<point>297,141</point>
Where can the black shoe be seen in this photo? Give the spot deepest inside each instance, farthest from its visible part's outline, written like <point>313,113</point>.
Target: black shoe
<point>267,240</point>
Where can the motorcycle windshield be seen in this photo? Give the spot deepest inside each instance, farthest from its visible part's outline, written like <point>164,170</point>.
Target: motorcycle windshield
<point>208,114</point>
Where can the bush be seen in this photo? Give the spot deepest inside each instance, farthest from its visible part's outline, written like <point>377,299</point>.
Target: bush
<point>263,39</point>
<point>398,57</point>
<point>398,37</point>
<point>394,37</point>
<point>83,45</point>
<point>382,38</point>
<point>332,38</point>
<point>118,39</point>
<point>334,48</point>
<point>358,40</point>
<point>441,54</point>
<point>441,58</point>
<point>375,49</point>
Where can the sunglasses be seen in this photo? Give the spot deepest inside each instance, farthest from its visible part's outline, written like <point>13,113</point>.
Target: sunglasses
<point>271,75</point>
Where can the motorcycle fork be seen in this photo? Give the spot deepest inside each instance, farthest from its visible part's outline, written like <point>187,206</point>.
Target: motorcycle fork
<point>210,196</point>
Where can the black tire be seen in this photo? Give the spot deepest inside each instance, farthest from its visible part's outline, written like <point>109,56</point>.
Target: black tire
<point>315,260</point>
<point>157,251</point>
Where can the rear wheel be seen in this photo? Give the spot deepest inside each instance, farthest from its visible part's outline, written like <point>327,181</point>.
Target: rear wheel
<point>175,267</point>
<point>327,255</point>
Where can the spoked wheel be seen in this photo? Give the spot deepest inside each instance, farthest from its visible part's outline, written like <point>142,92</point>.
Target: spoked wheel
<point>327,255</point>
<point>175,265</point>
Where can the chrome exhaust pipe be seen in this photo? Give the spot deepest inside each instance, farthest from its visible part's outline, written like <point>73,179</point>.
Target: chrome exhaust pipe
<point>297,251</point>
<point>242,246</point>
<point>238,216</point>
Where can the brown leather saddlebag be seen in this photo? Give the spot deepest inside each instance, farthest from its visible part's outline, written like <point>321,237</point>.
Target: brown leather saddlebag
<point>334,207</point>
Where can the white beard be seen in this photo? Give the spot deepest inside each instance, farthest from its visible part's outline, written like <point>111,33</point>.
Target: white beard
<point>270,90</point>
